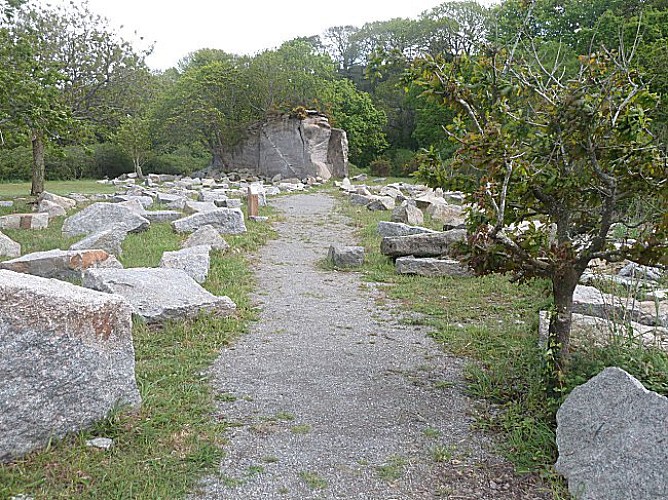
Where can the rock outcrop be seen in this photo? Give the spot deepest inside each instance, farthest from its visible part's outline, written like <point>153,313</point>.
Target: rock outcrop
<point>66,360</point>
<point>292,147</point>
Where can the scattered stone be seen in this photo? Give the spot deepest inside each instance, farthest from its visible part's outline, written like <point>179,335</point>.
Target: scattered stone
<point>61,264</point>
<point>360,178</point>
<point>611,435</point>
<point>144,201</point>
<point>193,260</point>
<point>398,229</point>
<point>408,213</point>
<point>657,295</point>
<point>346,185</point>
<point>109,240</point>
<point>134,205</point>
<point>225,220</point>
<point>432,267</point>
<point>452,215</point>
<point>361,199</point>
<point>101,443</point>
<point>101,216</point>
<point>422,245</point>
<point>259,218</point>
<point>342,256</point>
<point>8,247</point>
<point>173,201</point>
<point>196,207</point>
<point>637,271</point>
<point>158,216</point>
<point>207,235</point>
<point>159,294</point>
<point>25,221</point>
<point>232,203</point>
<point>380,203</point>
<point>428,199</point>
<point>67,360</point>
<point>52,209</point>
<point>592,302</point>
<point>62,201</point>
<point>213,195</point>
<point>6,203</point>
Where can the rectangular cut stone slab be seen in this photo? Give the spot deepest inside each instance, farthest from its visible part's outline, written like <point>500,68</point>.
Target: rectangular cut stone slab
<point>24,221</point>
<point>422,245</point>
<point>99,217</point>
<point>61,264</point>
<point>431,267</point>
<point>346,256</point>
<point>592,302</point>
<point>9,247</point>
<point>225,220</point>
<point>66,360</point>
<point>611,435</point>
<point>399,229</point>
<point>162,215</point>
<point>159,294</point>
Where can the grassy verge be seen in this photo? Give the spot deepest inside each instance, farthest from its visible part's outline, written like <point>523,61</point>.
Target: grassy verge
<point>161,451</point>
<point>494,323</point>
<point>87,186</point>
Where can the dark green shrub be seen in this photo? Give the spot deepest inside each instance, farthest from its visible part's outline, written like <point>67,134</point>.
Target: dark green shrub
<point>111,161</point>
<point>70,162</point>
<point>381,166</point>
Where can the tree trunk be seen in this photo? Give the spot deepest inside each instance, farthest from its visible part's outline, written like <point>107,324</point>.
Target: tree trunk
<point>37,140</point>
<point>563,286</point>
<point>138,171</point>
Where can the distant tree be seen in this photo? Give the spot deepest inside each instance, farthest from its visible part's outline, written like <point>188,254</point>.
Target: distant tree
<point>552,162</point>
<point>134,138</point>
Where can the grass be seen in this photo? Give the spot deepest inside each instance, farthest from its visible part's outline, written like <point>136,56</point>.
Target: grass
<point>392,469</point>
<point>162,450</point>
<point>84,186</point>
<point>313,480</point>
<point>494,323</point>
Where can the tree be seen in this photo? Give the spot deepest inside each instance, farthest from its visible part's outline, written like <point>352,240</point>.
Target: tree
<point>557,158</point>
<point>134,138</point>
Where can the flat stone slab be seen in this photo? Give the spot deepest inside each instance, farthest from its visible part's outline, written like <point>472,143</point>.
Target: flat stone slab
<point>432,267</point>
<point>61,264</point>
<point>422,245</point>
<point>159,294</point>
<point>101,216</point>
<point>195,261</point>
<point>162,215</point>
<point>25,221</point>
<point>225,220</point>
<point>399,229</point>
<point>53,209</point>
<point>195,207</point>
<point>592,302</point>
<point>66,360</point>
<point>611,434</point>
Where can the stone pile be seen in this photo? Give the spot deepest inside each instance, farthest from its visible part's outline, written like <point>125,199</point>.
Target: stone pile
<point>415,249</point>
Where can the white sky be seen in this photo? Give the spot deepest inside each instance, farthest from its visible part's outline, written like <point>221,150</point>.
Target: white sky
<point>240,26</point>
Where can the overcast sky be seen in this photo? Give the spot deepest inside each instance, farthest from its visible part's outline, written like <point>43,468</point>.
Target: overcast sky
<point>240,26</point>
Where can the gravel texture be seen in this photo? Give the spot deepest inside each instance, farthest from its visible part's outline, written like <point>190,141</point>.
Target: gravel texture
<point>332,396</point>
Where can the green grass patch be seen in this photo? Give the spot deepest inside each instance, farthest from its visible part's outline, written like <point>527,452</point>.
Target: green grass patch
<point>313,480</point>
<point>83,186</point>
<point>161,451</point>
<point>392,469</point>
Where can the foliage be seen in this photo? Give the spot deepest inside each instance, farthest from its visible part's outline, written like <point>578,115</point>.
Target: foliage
<point>556,159</point>
<point>134,139</point>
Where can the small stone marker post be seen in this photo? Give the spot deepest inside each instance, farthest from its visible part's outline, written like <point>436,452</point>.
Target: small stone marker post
<point>253,201</point>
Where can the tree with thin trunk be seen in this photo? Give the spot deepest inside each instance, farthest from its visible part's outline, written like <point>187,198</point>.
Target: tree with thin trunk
<point>553,156</point>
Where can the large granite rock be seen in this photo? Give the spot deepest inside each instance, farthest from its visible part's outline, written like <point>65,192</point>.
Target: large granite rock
<point>157,216</point>
<point>158,294</point>
<point>101,216</point>
<point>193,260</point>
<point>449,215</point>
<point>109,240</point>
<point>345,256</point>
<point>207,235</point>
<point>61,264</point>
<point>432,267</point>
<point>225,220</point>
<point>196,207</point>
<point>66,203</point>
<point>53,209</point>
<point>292,147</point>
<point>422,245</point>
<point>9,247</point>
<point>398,229</point>
<point>66,360</point>
<point>611,435</point>
<point>25,221</point>
<point>381,203</point>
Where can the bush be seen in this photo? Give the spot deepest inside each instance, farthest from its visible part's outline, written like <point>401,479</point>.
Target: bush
<point>111,161</point>
<point>381,166</point>
<point>70,162</point>
<point>176,164</point>
<point>15,163</point>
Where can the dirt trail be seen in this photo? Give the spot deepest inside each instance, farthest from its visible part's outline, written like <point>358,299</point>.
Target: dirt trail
<point>333,397</point>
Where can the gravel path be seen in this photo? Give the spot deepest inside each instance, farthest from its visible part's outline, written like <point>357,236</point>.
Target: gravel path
<point>333,397</point>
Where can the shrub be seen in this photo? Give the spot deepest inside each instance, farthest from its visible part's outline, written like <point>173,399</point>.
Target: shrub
<point>111,161</point>
<point>15,163</point>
